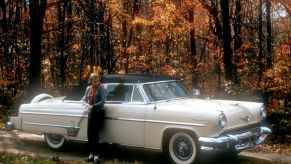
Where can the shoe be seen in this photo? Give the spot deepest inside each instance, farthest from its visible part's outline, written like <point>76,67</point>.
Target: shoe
<point>96,159</point>
<point>90,158</point>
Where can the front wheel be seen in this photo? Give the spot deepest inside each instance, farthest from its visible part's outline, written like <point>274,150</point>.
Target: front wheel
<point>182,148</point>
<point>55,141</point>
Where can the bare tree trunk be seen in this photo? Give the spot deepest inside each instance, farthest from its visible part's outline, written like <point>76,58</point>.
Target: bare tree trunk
<point>192,39</point>
<point>37,11</point>
<point>109,48</point>
<point>269,34</point>
<point>102,33</point>
<point>17,66</point>
<point>237,37</point>
<point>92,33</point>
<point>4,40</point>
<point>193,57</point>
<point>260,57</point>
<point>124,40</point>
<point>167,50</point>
<point>81,65</point>
<point>4,18</point>
<point>61,44</point>
<point>227,57</point>
<point>214,12</point>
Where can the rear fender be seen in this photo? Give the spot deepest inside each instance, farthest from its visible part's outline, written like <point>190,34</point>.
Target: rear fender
<point>40,97</point>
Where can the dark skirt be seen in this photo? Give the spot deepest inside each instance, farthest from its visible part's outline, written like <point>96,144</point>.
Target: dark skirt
<point>95,123</point>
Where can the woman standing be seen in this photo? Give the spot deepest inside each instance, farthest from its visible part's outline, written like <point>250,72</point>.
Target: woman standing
<point>95,97</point>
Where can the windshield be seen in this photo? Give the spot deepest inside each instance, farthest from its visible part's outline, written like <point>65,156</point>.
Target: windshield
<point>165,90</point>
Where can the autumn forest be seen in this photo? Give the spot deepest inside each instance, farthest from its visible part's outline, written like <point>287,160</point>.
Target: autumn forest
<point>229,49</point>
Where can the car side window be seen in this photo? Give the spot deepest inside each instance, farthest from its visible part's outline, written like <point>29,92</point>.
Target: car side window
<point>136,96</point>
<point>119,92</point>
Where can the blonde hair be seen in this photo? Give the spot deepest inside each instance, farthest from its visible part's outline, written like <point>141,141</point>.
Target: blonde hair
<point>93,76</point>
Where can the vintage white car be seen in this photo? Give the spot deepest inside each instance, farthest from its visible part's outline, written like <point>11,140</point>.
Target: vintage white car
<point>149,111</point>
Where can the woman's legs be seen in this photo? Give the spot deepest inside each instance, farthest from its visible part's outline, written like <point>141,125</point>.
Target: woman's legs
<point>95,122</point>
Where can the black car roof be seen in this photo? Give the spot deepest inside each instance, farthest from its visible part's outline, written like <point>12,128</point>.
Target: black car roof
<point>136,78</point>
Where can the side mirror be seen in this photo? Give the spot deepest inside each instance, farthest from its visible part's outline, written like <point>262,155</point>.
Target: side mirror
<point>196,92</point>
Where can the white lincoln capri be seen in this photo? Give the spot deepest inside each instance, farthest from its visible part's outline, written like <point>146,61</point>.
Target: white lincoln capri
<point>149,111</point>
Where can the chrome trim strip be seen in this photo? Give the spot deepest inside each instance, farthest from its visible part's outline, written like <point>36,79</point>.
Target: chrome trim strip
<point>50,125</point>
<point>176,123</point>
<point>156,121</point>
<point>126,102</point>
<point>163,81</point>
<point>125,119</point>
<point>122,119</point>
<point>53,114</point>
<point>141,147</point>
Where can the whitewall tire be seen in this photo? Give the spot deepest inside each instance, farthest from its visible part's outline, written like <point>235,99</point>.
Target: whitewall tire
<point>55,141</point>
<point>182,148</point>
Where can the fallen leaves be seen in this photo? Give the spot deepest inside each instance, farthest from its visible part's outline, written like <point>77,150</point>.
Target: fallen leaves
<point>272,148</point>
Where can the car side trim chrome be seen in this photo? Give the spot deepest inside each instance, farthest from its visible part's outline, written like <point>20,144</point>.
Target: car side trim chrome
<point>49,125</point>
<point>123,119</point>
<point>53,114</point>
<point>176,123</point>
<point>157,121</point>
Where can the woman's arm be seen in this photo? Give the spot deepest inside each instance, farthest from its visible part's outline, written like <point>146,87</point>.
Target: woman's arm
<point>85,97</point>
<point>100,93</point>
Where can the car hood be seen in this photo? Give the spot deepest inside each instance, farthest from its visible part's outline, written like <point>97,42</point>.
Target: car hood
<point>237,112</point>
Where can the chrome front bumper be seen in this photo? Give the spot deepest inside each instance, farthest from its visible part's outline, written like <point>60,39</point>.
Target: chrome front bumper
<point>236,142</point>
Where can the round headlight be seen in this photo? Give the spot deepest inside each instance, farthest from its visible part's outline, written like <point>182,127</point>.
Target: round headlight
<point>263,112</point>
<point>222,120</point>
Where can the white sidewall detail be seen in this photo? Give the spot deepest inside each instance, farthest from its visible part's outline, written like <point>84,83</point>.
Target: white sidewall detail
<point>171,151</point>
<point>55,146</point>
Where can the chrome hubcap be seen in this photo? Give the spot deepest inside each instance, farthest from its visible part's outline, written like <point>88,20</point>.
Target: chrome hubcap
<point>183,148</point>
<point>55,139</point>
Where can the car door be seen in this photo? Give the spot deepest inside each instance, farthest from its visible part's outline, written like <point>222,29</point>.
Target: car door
<point>124,116</point>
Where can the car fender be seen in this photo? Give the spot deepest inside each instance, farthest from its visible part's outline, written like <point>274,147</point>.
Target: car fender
<point>169,130</point>
<point>40,97</point>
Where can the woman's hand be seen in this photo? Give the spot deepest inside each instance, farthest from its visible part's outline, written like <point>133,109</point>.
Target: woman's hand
<point>90,108</point>
<point>87,109</point>
<point>85,105</point>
